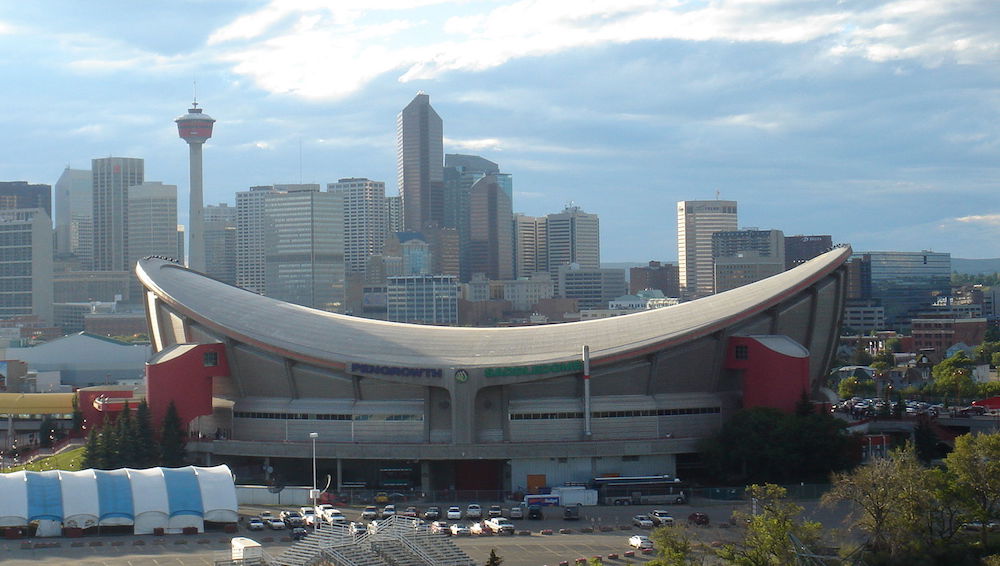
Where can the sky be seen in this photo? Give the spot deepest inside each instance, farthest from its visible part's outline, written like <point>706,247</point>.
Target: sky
<point>877,122</point>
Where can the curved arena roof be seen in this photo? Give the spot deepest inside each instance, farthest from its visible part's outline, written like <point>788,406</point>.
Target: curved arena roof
<point>328,339</point>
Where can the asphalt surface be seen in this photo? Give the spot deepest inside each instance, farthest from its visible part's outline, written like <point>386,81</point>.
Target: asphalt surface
<point>611,529</point>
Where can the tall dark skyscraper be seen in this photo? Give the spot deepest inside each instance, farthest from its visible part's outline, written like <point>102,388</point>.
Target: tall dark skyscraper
<point>112,176</point>
<point>420,164</point>
<point>21,194</point>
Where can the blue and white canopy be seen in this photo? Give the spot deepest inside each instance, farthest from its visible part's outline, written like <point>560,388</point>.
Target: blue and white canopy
<point>167,498</point>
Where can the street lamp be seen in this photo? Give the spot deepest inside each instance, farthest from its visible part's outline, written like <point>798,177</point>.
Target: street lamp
<point>314,493</point>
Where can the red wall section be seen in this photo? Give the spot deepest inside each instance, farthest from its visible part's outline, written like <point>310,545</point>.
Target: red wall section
<point>185,380</point>
<point>770,379</point>
<point>91,416</point>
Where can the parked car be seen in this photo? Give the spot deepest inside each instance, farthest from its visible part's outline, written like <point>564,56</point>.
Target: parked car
<point>474,511</point>
<point>454,513</point>
<point>381,497</point>
<point>517,512</point>
<point>298,533</point>
<point>700,519</point>
<point>292,518</point>
<point>458,530</point>
<point>976,526</point>
<point>388,511</point>
<point>499,525</point>
<point>571,513</point>
<point>308,518</point>
<point>661,518</point>
<point>642,521</point>
<point>535,512</point>
<point>255,524</point>
<point>440,527</point>
<point>432,513</point>
<point>494,511</point>
<point>640,541</point>
<point>478,528</point>
<point>411,512</point>
<point>275,524</point>
<point>370,513</point>
<point>357,529</point>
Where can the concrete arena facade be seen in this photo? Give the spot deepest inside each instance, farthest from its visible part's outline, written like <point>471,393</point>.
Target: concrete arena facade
<point>485,408</point>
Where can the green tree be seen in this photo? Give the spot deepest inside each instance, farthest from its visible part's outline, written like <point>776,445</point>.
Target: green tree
<point>861,357</point>
<point>46,432</point>
<point>855,386</point>
<point>172,437</point>
<point>889,496</point>
<point>974,466</point>
<point>925,440</point>
<point>91,452</point>
<point>147,454</point>
<point>673,547</point>
<point>766,540</point>
<point>494,560</point>
<point>77,415</point>
<point>953,376</point>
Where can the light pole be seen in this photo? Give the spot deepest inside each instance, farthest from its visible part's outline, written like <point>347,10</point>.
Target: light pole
<point>314,493</point>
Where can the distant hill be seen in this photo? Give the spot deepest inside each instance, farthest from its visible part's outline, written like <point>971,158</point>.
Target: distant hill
<point>975,266</point>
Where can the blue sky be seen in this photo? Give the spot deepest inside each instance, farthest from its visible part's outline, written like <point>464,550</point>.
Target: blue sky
<point>875,121</point>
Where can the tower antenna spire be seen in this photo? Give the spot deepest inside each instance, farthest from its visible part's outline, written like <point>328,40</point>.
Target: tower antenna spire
<point>194,93</point>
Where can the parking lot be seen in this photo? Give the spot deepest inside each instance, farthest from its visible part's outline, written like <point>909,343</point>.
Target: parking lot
<point>610,528</point>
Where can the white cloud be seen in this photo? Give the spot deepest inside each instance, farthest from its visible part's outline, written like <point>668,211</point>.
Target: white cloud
<point>492,144</point>
<point>318,50</point>
<point>992,220</point>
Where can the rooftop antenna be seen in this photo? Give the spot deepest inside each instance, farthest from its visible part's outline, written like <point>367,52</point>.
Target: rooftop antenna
<point>300,160</point>
<point>716,194</point>
<point>194,93</point>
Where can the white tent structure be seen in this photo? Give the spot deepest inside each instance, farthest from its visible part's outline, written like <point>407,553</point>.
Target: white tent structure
<point>171,499</point>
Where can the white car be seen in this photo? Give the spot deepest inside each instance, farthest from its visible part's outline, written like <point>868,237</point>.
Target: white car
<point>454,513</point>
<point>642,521</point>
<point>499,525</point>
<point>474,511</point>
<point>460,530</point>
<point>440,527</point>
<point>358,529</point>
<point>274,523</point>
<point>478,529</point>
<point>255,524</point>
<point>388,511</point>
<point>661,518</point>
<point>640,541</point>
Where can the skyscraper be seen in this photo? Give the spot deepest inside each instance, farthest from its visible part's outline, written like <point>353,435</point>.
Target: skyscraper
<point>697,220</point>
<point>220,242</point>
<point>745,256</point>
<point>903,283</point>
<point>195,128</point>
<point>490,247</point>
<point>26,263</point>
<point>419,164</point>
<point>304,247</point>
<point>365,220</point>
<point>530,245</point>
<point>573,236</point>
<point>112,176</point>
<point>152,221</point>
<point>250,238</point>
<point>21,194</point>
<point>74,195</point>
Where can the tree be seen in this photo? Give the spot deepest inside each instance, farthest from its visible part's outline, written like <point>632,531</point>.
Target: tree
<point>925,440</point>
<point>494,560</point>
<point>673,546</point>
<point>855,386</point>
<point>91,450</point>
<point>172,452</point>
<point>46,432</point>
<point>766,540</point>
<point>974,465</point>
<point>890,498</point>
<point>77,415</point>
<point>953,376</point>
<point>147,454</point>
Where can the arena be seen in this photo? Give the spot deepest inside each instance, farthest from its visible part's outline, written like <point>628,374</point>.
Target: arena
<point>398,406</point>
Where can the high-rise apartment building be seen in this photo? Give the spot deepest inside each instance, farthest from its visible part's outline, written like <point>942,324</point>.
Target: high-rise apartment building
<point>394,214</point>
<point>531,253</point>
<point>490,247</point>
<point>573,236</point>
<point>419,162</point>
<point>592,288</point>
<point>221,212</point>
<point>697,220</point>
<point>304,247</point>
<point>152,221</point>
<point>745,256</point>
<point>26,263</point>
<point>112,176</point>
<point>422,299</point>
<point>250,238</point>
<point>74,195</point>
<point>366,220</point>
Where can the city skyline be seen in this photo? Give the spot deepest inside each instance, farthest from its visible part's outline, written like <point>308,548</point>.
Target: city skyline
<point>873,123</point>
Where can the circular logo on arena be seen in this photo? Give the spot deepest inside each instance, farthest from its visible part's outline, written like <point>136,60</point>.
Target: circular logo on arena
<point>461,375</point>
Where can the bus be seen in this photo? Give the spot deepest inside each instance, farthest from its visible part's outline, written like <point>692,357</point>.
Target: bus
<point>640,490</point>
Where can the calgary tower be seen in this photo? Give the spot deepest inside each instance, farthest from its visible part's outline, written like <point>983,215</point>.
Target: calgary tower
<point>195,128</point>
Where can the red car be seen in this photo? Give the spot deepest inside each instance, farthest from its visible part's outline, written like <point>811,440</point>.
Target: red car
<point>700,519</point>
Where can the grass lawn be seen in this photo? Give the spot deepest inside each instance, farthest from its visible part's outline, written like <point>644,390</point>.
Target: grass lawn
<point>70,460</point>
